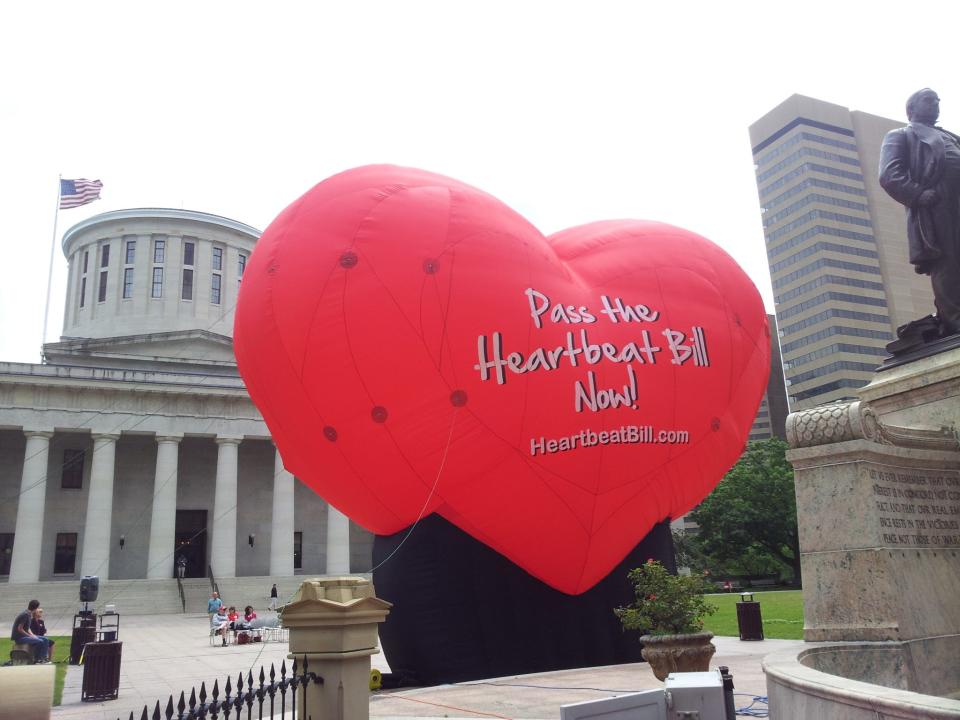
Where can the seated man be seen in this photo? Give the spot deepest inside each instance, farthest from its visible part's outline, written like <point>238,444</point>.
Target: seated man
<point>21,633</point>
<point>220,624</point>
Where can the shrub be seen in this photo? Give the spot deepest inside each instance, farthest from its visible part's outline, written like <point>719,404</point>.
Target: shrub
<point>665,604</point>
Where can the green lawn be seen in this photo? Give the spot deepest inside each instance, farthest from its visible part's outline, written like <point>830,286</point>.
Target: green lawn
<point>781,611</point>
<point>61,652</point>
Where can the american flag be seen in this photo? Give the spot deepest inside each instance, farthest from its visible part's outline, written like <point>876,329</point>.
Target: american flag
<point>74,193</point>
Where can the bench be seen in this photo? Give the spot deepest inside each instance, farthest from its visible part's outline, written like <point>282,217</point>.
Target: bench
<point>254,634</point>
<point>722,585</point>
<point>764,582</point>
<point>270,629</point>
<point>22,654</point>
<point>276,634</point>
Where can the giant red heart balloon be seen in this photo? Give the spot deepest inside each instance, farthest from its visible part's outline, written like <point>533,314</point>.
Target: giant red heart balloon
<point>415,346</point>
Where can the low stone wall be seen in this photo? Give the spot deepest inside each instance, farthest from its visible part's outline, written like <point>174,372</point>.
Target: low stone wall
<point>937,664</point>
<point>798,691</point>
<point>881,663</point>
<point>26,691</point>
<point>925,666</point>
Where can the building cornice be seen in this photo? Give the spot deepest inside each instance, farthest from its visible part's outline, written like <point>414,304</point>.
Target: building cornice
<point>84,343</point>
<point>118,379</point>
<point>158,214</point>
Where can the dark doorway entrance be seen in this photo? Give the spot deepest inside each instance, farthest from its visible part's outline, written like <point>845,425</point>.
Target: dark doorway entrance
<point>192,542</point>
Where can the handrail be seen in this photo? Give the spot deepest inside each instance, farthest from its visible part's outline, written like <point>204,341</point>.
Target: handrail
<point>183,597</point>
<point>213,581</point>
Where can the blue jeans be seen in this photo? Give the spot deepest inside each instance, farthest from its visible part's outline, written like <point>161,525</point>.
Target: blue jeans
<point>41,646</point>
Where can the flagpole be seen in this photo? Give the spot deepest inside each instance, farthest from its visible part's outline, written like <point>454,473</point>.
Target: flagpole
<point>53,246</point>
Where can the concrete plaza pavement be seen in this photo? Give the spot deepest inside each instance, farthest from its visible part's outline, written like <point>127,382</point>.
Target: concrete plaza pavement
<point>164,654</point>
<point>540,695</point>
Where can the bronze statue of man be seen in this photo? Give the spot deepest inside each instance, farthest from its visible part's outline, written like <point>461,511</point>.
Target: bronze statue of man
<point>920,168</point>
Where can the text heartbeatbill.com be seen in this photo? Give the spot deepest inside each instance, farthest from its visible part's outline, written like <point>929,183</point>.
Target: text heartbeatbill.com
<point>626,434</point>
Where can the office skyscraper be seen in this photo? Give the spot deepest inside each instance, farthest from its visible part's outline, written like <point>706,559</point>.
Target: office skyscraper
<point>836,245</point>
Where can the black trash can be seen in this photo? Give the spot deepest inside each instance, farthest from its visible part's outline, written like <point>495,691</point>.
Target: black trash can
<point>749,621</point>
<point>84,631</point>
<point>101,671</point>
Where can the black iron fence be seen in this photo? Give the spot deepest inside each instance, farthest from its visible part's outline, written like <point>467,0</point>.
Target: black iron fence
<point>275,696</point>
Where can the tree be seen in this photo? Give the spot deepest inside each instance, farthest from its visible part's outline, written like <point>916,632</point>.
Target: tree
<point>753,509</point>
<point>688,553</point>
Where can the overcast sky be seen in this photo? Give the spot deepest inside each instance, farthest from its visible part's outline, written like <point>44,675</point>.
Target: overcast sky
<point>568,112</point>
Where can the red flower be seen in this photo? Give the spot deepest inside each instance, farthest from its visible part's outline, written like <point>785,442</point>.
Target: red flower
<point>651,597</point>
<point>650,561</point>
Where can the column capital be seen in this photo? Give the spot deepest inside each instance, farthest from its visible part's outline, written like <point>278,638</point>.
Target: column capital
<point>39,433</point>
<point>169,437</point>
<point>227,440</point>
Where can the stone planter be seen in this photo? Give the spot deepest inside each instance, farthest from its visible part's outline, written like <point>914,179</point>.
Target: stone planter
<point>677,653</point>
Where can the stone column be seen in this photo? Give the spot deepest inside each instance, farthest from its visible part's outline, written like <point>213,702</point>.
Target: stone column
<point>95,559</point>
<point>338,542</point>
<point>25,563</point>
<point>223,552</point>
<point>334,623</point>
<point>163,518</point>
<point>281,525</point>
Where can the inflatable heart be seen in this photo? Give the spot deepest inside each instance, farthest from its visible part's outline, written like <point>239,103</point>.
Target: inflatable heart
<point>415,346</point>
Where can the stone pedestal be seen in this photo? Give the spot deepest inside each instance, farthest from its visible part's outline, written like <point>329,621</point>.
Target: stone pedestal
<point>334,623</point>
<point>879,535</point>
<point>878,509</point>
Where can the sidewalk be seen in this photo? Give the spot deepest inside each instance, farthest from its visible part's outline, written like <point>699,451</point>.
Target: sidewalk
<point>167,654</point>
<point>164,655</point>
<point>539,696</point>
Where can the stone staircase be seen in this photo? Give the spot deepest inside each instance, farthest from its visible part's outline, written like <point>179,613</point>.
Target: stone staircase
<point>60,599</point>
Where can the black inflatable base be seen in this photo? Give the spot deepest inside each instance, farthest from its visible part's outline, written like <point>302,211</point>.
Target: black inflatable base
<point>464,612</point>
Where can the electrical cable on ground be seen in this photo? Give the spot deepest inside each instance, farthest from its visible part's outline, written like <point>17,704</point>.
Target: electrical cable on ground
<point>750,710</point>
<point>450,707</point>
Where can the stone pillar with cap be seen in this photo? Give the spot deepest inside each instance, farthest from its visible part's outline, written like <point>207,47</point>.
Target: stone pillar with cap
<point>334,622</point>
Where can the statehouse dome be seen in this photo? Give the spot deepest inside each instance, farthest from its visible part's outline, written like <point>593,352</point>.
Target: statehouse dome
<point>154,283</point>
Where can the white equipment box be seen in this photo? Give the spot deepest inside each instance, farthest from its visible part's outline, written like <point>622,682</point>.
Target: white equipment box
<point>647,705</point>
<point>685,696</point>
<point>695,696</point>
